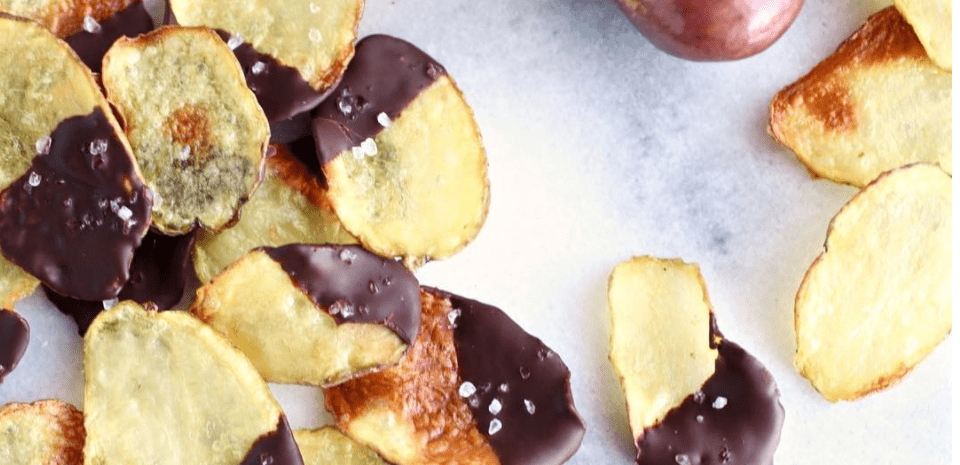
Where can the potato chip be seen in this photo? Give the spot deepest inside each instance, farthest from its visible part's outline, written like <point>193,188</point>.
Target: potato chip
<point>328,446</point>
<point>878,299</point>
<point>289,207</point>
<point>692,396</point>
<point>15,283</point>
<point>932,21</point>
<point>164,388</point>
<point>44,432</point>
<point>402,155</point>
<point>876,104</point>
<point>199,135</point>
<point>312,314</point>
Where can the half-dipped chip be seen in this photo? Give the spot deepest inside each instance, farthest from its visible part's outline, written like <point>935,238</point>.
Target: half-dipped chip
<point>876,104</point>
<point>44,432</point>
<point>932,21</point>
<point>198,134</point>
<point>402,155</point>
<point>314,314</point>
<point>88,26</point>
<point>291,52</point>
<point>474,389</point>
<point>328,446</point>
<point>164,388</point>
<point>289,207</point>
<point>73,206</point>
<point>878,299</point>
<point>692,396</point>
<point>14,337</point>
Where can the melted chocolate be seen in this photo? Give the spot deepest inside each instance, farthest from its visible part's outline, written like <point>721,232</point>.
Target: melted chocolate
<point>281,90</point>
<point>385,76</point>
<point>537,422</point>
<point>92,46</point>
<point>305,150</point>
<point>354,286</point>
<point>158,274</point>
<point>76,216</point>
<point>14,336</point>
<point>734,419</point>
<point>275,448</point>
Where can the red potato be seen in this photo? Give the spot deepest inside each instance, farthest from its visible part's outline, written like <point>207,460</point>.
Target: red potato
<point>711,30</point>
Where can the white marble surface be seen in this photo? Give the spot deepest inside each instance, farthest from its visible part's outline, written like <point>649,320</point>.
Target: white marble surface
<point>601,147</point>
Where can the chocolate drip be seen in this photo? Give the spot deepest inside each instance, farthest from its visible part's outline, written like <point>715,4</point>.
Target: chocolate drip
<point>385,76</point>
<point>14,336</point>
<point>354,286</point>
<point>92,46</point>
<point>158,274</point>
<point>522,402</point>
<point>734,419</point>
<point>281,90</point>
<point>275,448</point>
<point>76,216</point>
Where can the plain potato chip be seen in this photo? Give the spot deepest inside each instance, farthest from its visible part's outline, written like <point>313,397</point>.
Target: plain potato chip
<point>878,299</point>
<point>147,372</point>
<point>932,20</point>
<point>328,446</point>
<point>199,135</point>
<point>876,104</point>
<point>289,207</point>
<point>44,432</point>
<point>15,284</point>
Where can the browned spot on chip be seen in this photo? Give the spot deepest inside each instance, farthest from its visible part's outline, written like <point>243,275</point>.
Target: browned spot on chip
<point>885,37</point>
<point>831,105</point>
<point>189,127</point>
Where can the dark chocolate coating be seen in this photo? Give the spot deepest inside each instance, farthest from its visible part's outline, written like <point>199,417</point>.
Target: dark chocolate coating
<point>385,76</point>
<point>374,289</point>
<point>492,352</point>
<point>275,448</point>
<point>158,274</point>
<point>744,430</point>
<point>62,221</point>
<point>14,336</point>
<point>92,46</point>
<point>305,150</point>
<point>281,90</point>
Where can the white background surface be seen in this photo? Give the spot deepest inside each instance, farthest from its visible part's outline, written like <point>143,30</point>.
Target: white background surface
<point>602,147</point>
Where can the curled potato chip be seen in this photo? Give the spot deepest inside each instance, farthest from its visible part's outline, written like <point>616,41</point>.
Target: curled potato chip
<point>692,396</point>
<point>147,372</point>
<point>932,21</point>
<point>473,389</point>
<point>199,136</point>
<point>314,314</point>
<point>44,432</point>
<point>291,52</point>
<point>876,104</point>
<point>70,190</point>
<point>328,446</point>
<point>402,155</point>
<point>878,299</point>
<point>288,207</point>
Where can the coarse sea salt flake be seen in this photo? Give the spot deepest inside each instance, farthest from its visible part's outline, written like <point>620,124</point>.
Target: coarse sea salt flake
<point>720,402</point>
<point>315,35</point>
<point>124,213</point>
<point>467,389</point>
<point>495,406</point>
<point>34,179</point>
<point>531,408</point>
<point>258,67</point>
<point>495,425</point>
<point>91,25</point>
<point>384,120</point>
<point>234,41</point>
<point>43,145</point>
<point>369,147</point>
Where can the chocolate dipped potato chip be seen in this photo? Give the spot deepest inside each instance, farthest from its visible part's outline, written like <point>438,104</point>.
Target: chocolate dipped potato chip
<point>692,396</point>
<point>73,206</point>
<point>44,432</point>
<point>90,27</point>
<point>199,136</point>
<point>164,388</point>
<point>291,52</point>
<point>290,206</point>
<point>401,153</point>
<point>878,299</point>
<point>314,314</point>
<point>14,337</point>
<point>473,389</point>
<point>875,104</point>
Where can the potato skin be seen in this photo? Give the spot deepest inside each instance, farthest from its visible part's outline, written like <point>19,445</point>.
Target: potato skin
<point>711,30</point>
